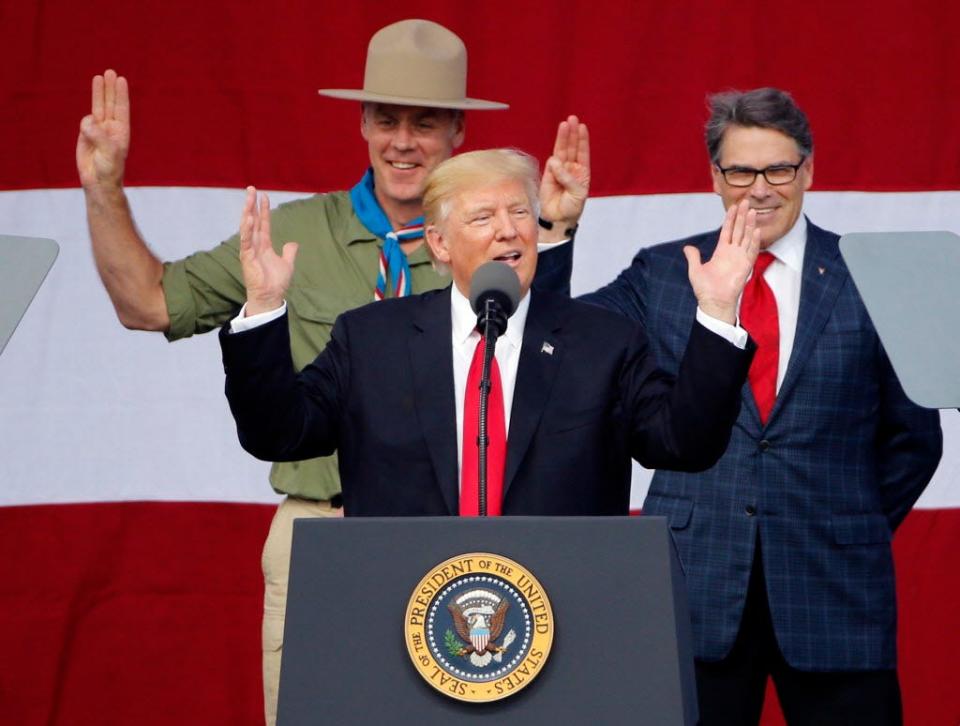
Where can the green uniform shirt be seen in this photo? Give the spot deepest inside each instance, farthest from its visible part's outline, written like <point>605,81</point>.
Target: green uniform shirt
<point>336,270</point>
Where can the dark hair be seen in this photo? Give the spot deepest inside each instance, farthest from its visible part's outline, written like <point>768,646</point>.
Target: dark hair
<point>767,108</point>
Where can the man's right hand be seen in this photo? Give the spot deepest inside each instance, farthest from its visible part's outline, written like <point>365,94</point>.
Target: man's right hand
<point>131,273</point>
<point>105,134</point>
<point>266,275</point>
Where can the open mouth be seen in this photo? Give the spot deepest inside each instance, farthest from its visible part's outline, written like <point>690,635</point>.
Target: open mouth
<point>510,258</point>
<point>402,165</point>
<point>765,211</point>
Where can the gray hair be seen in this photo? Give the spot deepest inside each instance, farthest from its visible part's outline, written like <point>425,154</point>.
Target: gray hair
<point>766,108</point>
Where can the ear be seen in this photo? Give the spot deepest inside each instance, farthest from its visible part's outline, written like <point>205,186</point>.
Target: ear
<point>363,122</point>
<point>807,171</point>
<point>439,246</point>
<point>459,130</point>
<point>717,179</point>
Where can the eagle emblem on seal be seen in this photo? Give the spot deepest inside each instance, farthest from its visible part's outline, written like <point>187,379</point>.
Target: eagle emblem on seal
<point>478,618</point>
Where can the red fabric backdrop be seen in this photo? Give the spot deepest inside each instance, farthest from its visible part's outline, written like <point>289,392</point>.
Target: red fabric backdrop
<point>148,613</point>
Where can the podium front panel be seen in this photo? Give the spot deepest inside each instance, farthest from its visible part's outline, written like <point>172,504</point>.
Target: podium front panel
<point>621,650</point>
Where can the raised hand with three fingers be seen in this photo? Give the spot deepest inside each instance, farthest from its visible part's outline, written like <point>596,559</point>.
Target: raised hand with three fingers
<point>566,175</point>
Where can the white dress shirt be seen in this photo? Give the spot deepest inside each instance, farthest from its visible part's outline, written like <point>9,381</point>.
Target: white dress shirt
<point>465,339</point>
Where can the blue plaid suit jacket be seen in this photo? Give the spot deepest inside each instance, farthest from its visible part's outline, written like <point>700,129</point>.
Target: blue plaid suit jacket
<point>842,459</point>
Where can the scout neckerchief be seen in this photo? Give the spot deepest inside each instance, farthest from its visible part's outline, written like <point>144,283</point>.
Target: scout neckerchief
<point>392,258</point>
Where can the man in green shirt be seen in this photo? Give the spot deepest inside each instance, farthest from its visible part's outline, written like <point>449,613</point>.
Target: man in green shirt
<point>355,246</point>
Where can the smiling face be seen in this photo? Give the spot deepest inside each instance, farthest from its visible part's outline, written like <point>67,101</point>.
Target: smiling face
<point>405,144</point>
<point>496,221</point>
<point>778,207</point>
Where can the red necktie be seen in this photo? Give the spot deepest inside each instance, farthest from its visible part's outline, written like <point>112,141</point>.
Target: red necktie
<point>758,316</point>
<point>496,433</point>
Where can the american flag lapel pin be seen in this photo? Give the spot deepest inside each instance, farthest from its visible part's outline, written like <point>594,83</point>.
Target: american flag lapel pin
<point>546,348</point>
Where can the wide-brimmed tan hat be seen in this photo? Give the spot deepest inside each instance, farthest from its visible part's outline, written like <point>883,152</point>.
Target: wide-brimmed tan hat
<point>415,63</point>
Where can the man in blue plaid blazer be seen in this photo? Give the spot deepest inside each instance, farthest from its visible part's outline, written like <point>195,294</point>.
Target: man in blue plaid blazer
<point>786,541</point>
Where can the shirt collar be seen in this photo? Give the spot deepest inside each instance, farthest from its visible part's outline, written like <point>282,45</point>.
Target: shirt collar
<point>465,320</point>
<point>789,248</point>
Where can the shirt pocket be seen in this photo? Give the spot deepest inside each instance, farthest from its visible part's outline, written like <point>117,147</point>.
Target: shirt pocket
<point>311,313</point>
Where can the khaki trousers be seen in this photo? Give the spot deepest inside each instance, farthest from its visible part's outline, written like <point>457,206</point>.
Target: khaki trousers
<point>276,573</point>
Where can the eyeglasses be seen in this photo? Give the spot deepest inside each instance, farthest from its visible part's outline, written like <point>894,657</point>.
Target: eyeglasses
<point>776,175</point>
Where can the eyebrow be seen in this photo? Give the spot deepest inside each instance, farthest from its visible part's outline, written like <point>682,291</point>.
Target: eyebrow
<point>746,166</point>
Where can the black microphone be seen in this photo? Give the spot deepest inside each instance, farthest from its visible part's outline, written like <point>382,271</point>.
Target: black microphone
<point>494,295</point>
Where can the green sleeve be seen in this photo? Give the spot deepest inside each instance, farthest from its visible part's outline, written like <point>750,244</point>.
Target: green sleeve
<point>204,290</point>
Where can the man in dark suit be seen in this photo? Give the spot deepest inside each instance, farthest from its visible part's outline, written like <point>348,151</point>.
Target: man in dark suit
<point>578,390</point>
<point>786,541</point>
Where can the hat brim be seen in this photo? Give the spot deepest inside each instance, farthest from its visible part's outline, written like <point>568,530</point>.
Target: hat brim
<point>463,104</point>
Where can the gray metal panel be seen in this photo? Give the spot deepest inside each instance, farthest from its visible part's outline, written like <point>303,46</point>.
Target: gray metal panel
<point>24,263</point>
<point>908,281</point>
<point>614,583</point>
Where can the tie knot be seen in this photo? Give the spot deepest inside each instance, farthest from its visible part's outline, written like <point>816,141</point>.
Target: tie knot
<point>764,260</point>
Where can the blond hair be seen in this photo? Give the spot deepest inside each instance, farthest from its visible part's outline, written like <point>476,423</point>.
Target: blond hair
<point>477,169</point>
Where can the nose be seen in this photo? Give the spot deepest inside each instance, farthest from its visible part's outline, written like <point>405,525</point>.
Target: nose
<point>402,137</point>
<point>506,226</point>
<point>760,187</point>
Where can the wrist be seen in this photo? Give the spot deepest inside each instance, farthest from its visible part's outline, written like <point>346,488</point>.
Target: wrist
<point>105,194</point>
<point>724,313</point>
<point>559,229</point>
<point>256,306</point>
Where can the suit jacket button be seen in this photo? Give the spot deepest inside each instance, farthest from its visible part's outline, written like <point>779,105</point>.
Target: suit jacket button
<point>764,445</point>
<point>750,510</point>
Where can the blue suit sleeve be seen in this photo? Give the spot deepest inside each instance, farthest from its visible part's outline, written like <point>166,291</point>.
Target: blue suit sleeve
<point>554,268</point>
<point>627,293</point>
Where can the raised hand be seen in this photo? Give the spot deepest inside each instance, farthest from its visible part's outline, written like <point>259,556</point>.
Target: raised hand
<point>566,175</point>
<point>718,283</point>
<point>266,275</point>
<point>105,133</point>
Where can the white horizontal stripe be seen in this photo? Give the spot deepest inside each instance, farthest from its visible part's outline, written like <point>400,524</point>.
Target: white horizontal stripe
<point>92,412</point>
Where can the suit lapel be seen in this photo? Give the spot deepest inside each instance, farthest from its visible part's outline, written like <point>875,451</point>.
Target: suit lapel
<point>536,374</point>
<point>431,357</point>
<point>823,277</point>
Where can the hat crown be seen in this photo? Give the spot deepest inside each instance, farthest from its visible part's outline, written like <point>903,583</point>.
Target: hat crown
<point>415,63</point>
<point>416,59</point>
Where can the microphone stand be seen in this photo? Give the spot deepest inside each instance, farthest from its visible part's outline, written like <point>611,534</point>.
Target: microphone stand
<point>492,322</point>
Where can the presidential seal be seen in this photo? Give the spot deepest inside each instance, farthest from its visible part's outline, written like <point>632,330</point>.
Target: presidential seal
<point>479,627</point>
